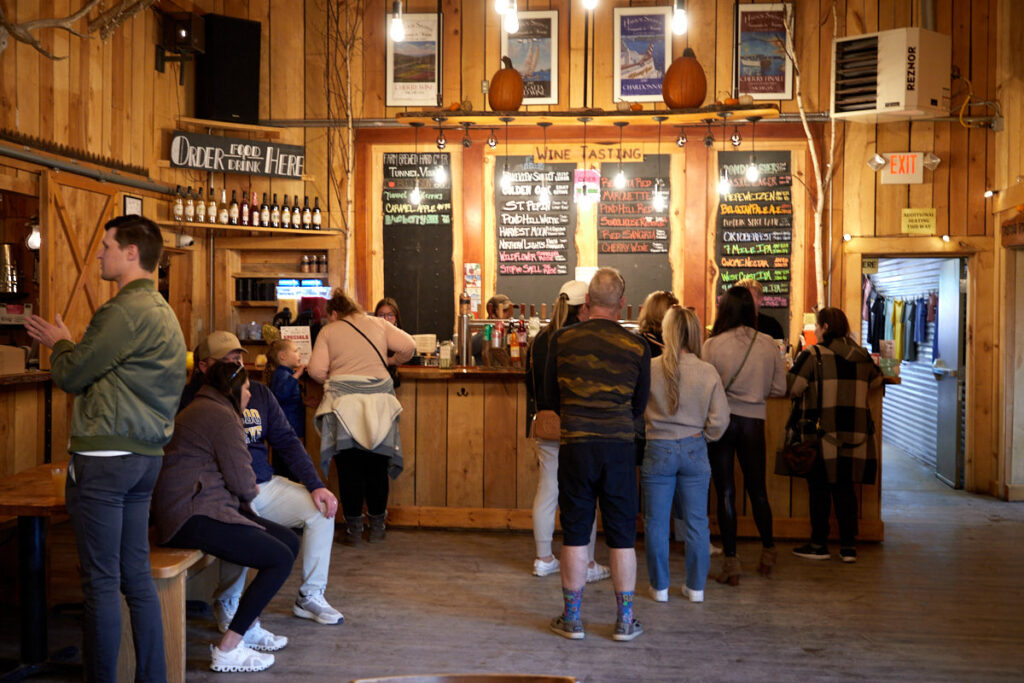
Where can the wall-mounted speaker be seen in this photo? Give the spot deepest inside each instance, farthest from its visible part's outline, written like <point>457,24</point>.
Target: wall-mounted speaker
<point>228,74</point>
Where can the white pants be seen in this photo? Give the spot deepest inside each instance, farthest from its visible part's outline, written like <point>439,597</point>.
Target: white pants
<point>283,501</point>
<point>545,502</point>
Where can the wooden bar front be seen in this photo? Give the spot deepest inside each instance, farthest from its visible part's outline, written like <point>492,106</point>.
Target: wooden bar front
<point>469,464</point>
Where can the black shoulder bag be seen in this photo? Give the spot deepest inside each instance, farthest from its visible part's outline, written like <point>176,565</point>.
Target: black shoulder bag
<point>802,445</point>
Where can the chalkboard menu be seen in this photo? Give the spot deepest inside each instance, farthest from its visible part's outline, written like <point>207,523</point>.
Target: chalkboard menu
<point>536,250</point>
<point>418,270</point>
<point>633,236</point>
<point>755,228</point>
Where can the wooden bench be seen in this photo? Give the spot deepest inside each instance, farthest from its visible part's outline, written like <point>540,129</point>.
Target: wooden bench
<point>170,568</point>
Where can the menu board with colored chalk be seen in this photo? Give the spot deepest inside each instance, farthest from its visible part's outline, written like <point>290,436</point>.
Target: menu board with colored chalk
<point>755,228</point>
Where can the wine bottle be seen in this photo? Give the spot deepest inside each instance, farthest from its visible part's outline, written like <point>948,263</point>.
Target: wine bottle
<point>264,212</point>
<point>211,209</point>
<point>222,216</point>
<point>307,215</point>
<point>200,206</point>
<point>286,214</point>
<point>275,214</point>
<point>190,206</point>
<point>243,210</point>
<point>296,214</point>
<point>233,209</point>
<point>317,218</point>
<point>178,208</point>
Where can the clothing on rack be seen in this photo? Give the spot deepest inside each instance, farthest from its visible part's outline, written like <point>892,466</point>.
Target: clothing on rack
<point>897,327</point>
<point>921,320</point>
<point>868,288</point>
<point>909,315</point>
<point>889,308</point>
<point>933,307</point>
<point>876,327</point>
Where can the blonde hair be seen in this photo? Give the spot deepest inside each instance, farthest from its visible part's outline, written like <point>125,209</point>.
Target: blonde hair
<point>753,285</point>
<point>653,311</point>
<point>681,331</point>
<point>276,347</point>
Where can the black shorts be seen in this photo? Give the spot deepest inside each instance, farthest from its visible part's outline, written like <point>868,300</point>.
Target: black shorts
<point>605,472</point>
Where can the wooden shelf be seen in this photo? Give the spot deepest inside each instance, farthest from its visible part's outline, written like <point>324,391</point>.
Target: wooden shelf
<point>247,228</point>
<point>254,304</point>
<point>266,131</point>
<point>673,117</point>
<point>277,275</point>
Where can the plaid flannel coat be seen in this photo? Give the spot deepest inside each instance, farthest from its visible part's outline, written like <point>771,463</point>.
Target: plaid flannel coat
<point>848,373</point>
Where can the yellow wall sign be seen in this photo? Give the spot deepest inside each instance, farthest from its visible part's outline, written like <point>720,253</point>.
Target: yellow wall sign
<point>869,266</point>
<point>918,222</point>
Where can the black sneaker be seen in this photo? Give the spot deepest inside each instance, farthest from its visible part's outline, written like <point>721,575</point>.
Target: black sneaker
<point>809,551</point>
<point>848,555</point>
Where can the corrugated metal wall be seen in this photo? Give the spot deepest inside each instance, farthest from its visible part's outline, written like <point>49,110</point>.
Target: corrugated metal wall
<point>910,409</point>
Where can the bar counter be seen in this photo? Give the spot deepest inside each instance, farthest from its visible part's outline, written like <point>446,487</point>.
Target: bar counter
<point>469,464</point>
<point>25,400</point>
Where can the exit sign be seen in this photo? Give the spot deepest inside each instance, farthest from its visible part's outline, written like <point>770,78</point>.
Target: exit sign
<point>903,168</point>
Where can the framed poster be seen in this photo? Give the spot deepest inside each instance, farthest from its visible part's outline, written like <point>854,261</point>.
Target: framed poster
<point>763,70</point>
<point>533,50</point>
<point>413,69</point>
<point>643,51</point>
<point>132,205</point>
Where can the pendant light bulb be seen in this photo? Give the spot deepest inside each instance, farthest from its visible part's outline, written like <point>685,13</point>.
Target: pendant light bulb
<point>544,196</point>
<point>589,4</point>
<point>724,186</point>
<point>414,196</point>
<point>658,200</point>
<point>501,6</point>
<point>506,182</point>
<point>752,173</point>
<point>510,22</point>
<point>620,180</point>
<point>397,31</point>
<point>681,140</point>
<point>679,20</point>
<point>440,175</point>
<point>34,239</point>
<point>735,139</point>
<point>492,141</point>
<point>441,141</point>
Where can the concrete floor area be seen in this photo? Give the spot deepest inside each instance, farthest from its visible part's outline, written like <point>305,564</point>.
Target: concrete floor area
<point>941,599</point>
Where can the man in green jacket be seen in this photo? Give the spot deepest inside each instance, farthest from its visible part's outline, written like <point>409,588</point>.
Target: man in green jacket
<point>127,374</point>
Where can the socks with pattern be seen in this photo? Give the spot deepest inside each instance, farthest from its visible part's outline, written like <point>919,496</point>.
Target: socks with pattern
<point>624,601</point>
<point>573,601</point>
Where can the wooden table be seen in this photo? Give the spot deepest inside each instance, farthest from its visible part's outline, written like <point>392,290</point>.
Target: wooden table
<point>29,495</point>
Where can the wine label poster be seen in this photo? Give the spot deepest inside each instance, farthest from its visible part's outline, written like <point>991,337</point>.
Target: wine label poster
<point>643,50</point>
<point>412,65</point>
<point>755,226</point>
<point>765,72</point>
<point>533,50</point>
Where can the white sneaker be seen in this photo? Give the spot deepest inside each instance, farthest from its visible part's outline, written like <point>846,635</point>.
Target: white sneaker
<point>597,572</point>
<point>224,612</point>
<point>314,606</point>
<point>714,549</point>
<point>241,658</point>
<point>545,567</point>
<point>658,595</point>
<point>692,595</point>
<point>259,638</point>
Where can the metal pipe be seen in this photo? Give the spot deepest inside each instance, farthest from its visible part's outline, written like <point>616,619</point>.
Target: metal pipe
<point>928,14</point>
<point>72,166</point>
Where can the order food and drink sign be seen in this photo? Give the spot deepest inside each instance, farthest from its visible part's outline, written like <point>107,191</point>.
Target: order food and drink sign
<point>235,155</point>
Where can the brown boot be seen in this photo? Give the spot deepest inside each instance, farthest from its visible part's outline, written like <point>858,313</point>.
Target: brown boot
<point>377,529</point>
<point>353,532</point>
<point>731,570</point>
<point>766,567</point>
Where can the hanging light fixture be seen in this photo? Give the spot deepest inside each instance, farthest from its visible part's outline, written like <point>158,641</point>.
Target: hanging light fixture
<point>34,239</point>
<point>735,139</point>
<point>501,6</point>
<point>681,140</point>
<point>620,178</point>
<point>709,138</point>
<point>467,142</point>
<point>506,177</point>
<point>724,186</point>
<point>440,174</point>
<point>753,174</point>
<point>679,21</point>
<point>397,30</point>
<point>492,141</point>
<point>441,141</point>
<point>544,192</point>
<point>414,196</point>
<point>584,199</point>
<point>510,20</point>
<point>658,199</point>
<point>589,4</point>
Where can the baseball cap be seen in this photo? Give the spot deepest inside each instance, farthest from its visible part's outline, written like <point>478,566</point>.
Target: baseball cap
<point>576,291</point>
<point>217,345</point>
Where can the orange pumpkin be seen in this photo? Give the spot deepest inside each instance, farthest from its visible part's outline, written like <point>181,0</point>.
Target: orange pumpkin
<point>506,91</point>
<point>684,85</point>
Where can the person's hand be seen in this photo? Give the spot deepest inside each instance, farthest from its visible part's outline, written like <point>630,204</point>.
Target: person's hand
<point>47,333</point>
<point>325,502</point>
<point>298,371</point>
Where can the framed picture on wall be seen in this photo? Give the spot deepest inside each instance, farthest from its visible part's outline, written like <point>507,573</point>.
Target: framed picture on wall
<point>643,50</point>
<point>413,67</point>
<point>132,206</point>
<point>762,69</point>
<point>533,50</point>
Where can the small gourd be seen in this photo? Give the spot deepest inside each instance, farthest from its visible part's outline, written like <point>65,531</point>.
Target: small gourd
<point>684,85</point>
<point>506,90</point>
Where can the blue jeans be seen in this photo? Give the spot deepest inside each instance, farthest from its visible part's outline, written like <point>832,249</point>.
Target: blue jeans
<point>669,465</point>
<point>108,502</point>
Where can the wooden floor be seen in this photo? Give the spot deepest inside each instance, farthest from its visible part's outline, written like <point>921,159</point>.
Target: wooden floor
<point>941,599</point>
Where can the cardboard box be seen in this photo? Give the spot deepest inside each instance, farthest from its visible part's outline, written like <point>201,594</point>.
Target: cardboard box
<point>12,360</point>
<point>14,314</point>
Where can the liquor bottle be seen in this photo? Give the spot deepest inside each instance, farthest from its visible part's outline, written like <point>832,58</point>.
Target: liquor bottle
<point>211,209</point>
<point>190,206</point>
<point>233,209</point>
<point>275,214</point>
<point>286,213</point>
<point>223,217</point>
<point>317,218</point>
<point>178,208</point>
<point>243,210</point>
<point>307,215</point>
<point>200,206</point>
<point>264,213</point>
<point>305,263</point>
<point>323,263</point>
<point>296,214</point>
<point>513,347</point>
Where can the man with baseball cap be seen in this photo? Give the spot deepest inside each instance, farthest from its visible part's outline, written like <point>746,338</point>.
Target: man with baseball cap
<point>309,505</point>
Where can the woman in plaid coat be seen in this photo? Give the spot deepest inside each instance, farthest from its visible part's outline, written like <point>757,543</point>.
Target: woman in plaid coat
<point>848,454</point>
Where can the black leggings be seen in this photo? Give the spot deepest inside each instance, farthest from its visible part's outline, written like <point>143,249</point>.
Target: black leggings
<point>269,548</point>
<point>822,495</point>
<point>745,439</point>
<point>362,475</point>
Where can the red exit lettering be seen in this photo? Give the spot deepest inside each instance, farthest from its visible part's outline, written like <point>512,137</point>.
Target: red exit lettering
<point>903,164</point>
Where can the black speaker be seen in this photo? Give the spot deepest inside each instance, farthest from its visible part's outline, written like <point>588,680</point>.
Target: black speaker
<point>228,74</point>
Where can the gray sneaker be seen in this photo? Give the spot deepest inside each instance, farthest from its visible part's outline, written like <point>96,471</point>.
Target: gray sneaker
<point>627,630</point>
<point>568,628</point>
<point>315,607</point>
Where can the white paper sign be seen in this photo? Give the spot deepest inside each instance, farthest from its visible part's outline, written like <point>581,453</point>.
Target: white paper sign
<point>300,336</point>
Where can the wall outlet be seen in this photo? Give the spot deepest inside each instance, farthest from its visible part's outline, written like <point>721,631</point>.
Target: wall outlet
<point>485,85</point>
